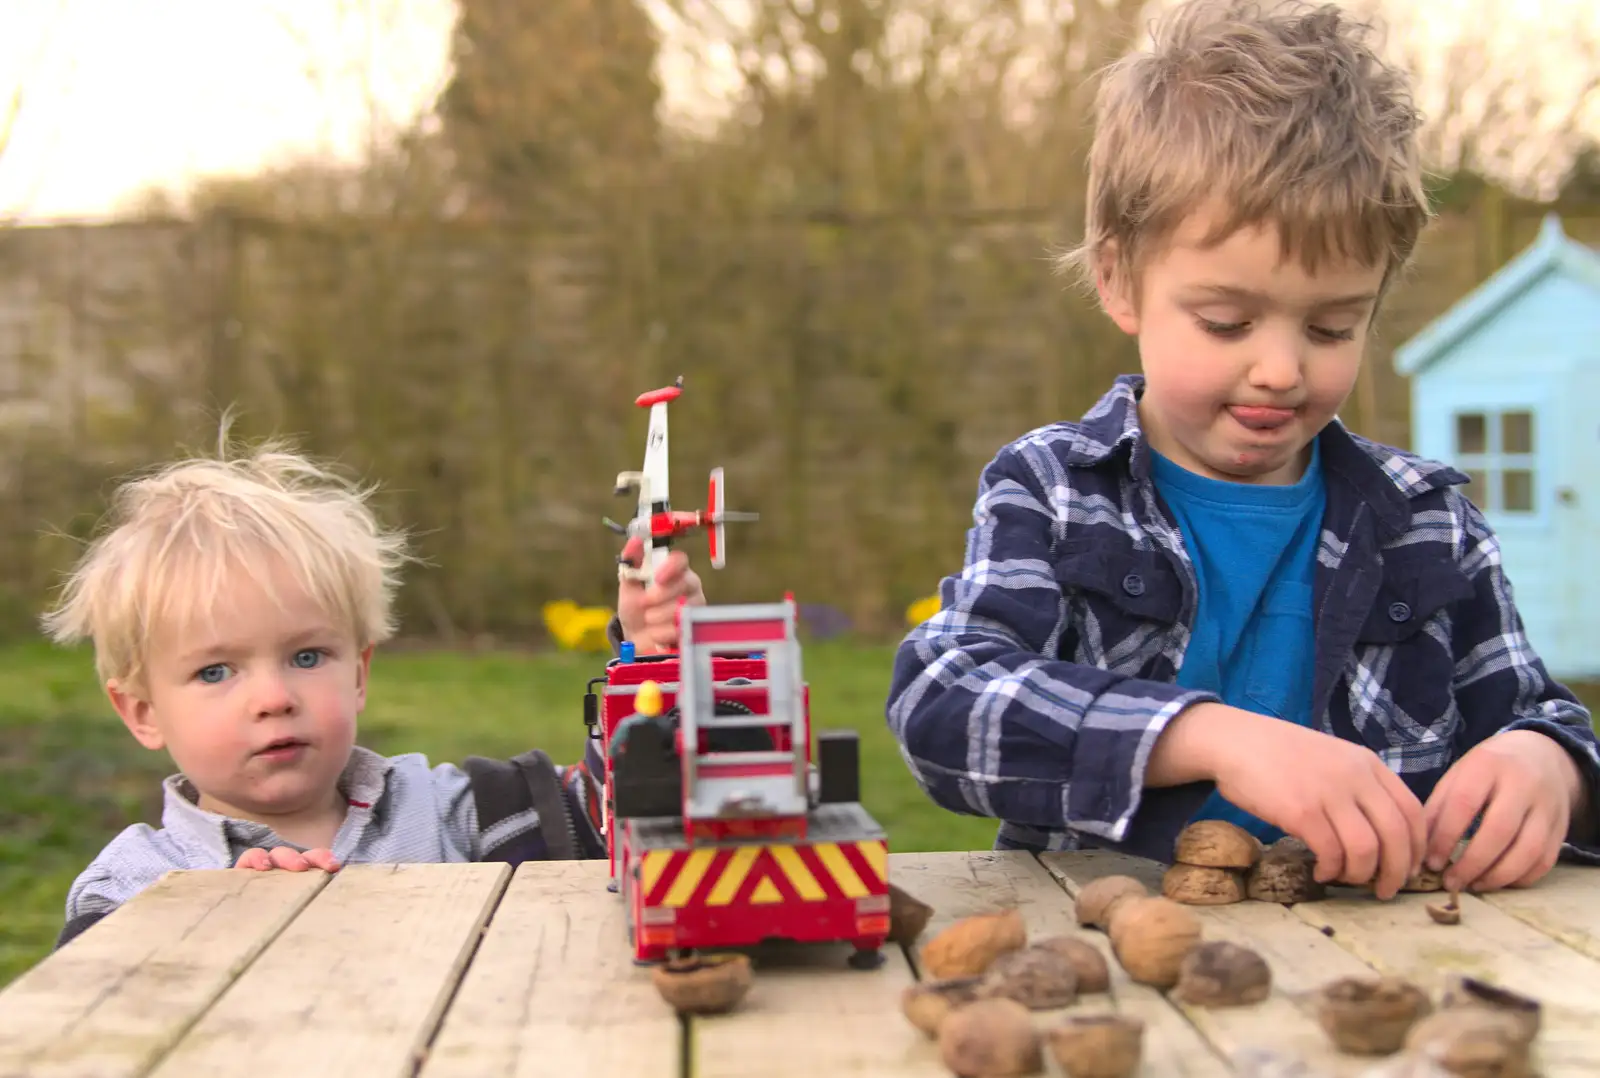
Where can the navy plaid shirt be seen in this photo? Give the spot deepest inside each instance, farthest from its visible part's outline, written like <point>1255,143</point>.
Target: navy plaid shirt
<point>1036,694</point>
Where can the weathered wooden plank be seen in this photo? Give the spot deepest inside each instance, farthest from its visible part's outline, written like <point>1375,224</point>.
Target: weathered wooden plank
<point>355,986</point>
<point>963,884</point>
<point>1301,959</point>
<point>553,989</point>
<point>1565,905</point>
<point>808,1013</point>
<point>1399,937</point>
<point>111,1002</point>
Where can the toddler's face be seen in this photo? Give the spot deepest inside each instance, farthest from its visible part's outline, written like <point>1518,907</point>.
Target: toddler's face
<point>257,704</point>
<point>1246,356</point>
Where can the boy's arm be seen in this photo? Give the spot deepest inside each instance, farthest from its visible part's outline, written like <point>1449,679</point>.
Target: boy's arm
<point>529,809</point>
<point>131,862</point>
<point>990,720</point>
<point>1501,683</point>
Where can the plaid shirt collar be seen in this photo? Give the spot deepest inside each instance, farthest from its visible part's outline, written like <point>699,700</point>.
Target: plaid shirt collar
<point>1112,428</point>
<point>363,782</point>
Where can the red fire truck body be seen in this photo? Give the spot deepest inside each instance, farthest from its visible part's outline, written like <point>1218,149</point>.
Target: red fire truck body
<point>723,829</point>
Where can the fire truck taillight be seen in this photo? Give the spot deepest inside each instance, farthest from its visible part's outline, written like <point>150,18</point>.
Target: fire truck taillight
<point>872,915</point>
<point>658,926</point>
<point>659,937</point>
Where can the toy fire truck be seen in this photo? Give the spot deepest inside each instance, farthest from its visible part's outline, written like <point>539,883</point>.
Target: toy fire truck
<point>722,828</point>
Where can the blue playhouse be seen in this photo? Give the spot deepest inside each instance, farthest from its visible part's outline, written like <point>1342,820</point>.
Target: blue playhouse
<point>1504,386</point>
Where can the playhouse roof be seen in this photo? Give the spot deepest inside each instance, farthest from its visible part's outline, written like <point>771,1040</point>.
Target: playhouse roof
<point>1553,252</point>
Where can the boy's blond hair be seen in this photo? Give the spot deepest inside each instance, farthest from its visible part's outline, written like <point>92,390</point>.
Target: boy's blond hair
<point>173,535</point>
<point>1276,114</point>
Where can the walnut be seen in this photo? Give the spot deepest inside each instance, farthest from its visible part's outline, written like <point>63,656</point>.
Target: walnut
<point>704,984</point>
<point>1216,844</point>
<point>908,916</point>
<point>1087,962</point>
<point>967,947</point>
<point>1463,991</point>
<point>1151,937</point>
<point>1196,885</point>
<point>1473,1042</point>
<point>1097,899</point>
<point>1370,1015</point>
<point>1098,1045</point>
<point>1447,914</point>
<point>926,1003</point>
<point>1039,978</point>
<point>990,1038</point>
<point>1286,873</point>
<point>1217,973</point>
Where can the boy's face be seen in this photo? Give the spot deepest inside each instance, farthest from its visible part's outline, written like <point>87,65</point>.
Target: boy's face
<point>1246,356</point>
<point>257,704</point>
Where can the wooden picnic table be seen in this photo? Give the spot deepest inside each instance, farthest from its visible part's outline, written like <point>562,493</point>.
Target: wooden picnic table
<point>478,971</point>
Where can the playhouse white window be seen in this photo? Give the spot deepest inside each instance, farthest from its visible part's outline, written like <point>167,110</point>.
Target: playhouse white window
<point>1495,450</point>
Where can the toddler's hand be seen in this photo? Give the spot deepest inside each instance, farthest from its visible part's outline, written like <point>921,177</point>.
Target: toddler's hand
<point>289,860</point>
<point>1526,785</point>
<point>1362,822</point>
<point>649,615</point>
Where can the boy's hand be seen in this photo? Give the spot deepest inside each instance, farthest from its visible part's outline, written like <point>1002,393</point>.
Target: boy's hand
<point>1363,824</point>
<point>289,860</point>
<point>649,615</point>
<point>1526,786</point>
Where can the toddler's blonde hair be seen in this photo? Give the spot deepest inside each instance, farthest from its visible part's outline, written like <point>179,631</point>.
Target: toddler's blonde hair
<point>1278,113</point>
<point>173,535</point>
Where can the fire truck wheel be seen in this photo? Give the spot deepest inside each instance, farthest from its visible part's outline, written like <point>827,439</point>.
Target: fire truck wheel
<point>866,958</point>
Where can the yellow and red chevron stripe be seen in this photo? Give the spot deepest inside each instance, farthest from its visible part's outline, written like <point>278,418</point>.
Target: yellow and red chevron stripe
<point>760,875</point>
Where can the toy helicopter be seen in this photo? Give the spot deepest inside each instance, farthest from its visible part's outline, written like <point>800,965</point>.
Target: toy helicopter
<point>655,524</point>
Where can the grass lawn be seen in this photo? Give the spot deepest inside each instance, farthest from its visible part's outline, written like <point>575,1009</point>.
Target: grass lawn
<point>71,777</point>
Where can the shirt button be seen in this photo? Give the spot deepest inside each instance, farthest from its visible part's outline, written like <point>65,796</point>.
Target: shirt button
<point>1133,584</point>
<point>1399,612</point>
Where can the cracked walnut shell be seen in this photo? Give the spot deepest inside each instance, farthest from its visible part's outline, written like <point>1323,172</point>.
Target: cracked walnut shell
<point>991,1038</point>
<point>927,1003</point>
<point>1098,898</point>
<point>1463,991</point>
<point>704,984</point>
<point>908,916</point>
<point>1286,873</point>
<point>1098,1045</point>
<point>1039,978</point>
<point>1197,885</point>
<point>1217,973</point>
<point>1216,844</point>
<point>1151,937</point>
<point>967,947</point>
<point>1472,1042</point>
<point>1087,962</point>
<point>1370,1015</point>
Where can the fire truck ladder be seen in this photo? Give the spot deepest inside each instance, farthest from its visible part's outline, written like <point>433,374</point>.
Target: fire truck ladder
<point>720,785</point>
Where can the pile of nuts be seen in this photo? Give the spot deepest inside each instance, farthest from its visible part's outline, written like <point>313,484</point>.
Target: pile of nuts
<point>983,978</point>
<point>1159,943</point>
<point>1216,863</point>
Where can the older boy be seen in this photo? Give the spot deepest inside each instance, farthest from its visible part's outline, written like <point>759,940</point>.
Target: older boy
<point>1207,598</point>
<point>234,606</point>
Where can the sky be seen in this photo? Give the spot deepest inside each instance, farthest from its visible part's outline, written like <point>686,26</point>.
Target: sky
<point>123,95</point>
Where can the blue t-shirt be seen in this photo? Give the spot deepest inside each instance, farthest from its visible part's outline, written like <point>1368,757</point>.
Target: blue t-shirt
<point>1254,549</point>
